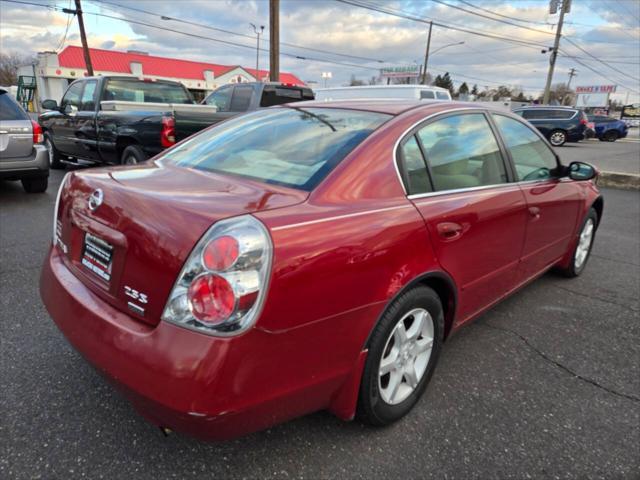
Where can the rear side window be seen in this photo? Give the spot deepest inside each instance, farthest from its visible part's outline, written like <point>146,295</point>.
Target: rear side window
<point>532,158</point>
<point>294,147</point>
<point>427,94</point>
<point>279,96</point>
<point>72,96</point>
<point>87,102</point>
<point>148,92</point>
<point>442,96</point>
<point>241,98</point>
<point>562,114</point>
<point>9,109</point>
<point>414,167</point>
<point>462,152</point>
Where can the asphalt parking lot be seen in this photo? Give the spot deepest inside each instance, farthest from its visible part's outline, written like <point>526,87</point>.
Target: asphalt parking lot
<point>545,385</point>
<point>621,156</point>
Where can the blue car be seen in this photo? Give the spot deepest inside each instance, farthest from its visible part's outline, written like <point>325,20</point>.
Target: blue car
<point>557,124</point>
<point>609,129</point>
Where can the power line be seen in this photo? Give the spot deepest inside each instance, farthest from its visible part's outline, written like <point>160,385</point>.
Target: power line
<point>601,61</point>
<point>628,11</point>
<point>401,14</point>
<point>202,37</point>
<point>503,16</point>
<point>208,27</point>
<point>491,18</point>
<point>576,59</point>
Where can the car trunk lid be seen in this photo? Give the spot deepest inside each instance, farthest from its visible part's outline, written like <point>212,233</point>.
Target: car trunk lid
<point>16,139</point>
<point>130,248</point>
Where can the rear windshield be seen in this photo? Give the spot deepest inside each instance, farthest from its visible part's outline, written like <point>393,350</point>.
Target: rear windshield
<point>280,95</point>
<point>9,110</point>
<point>141,91</point>
<point>294,147</point>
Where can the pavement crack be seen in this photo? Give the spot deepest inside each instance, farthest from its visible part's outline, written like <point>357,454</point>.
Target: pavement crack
<point>561,366</point>
<point>592,297</point>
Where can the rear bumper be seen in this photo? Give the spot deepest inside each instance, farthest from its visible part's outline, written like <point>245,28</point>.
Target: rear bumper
<point>35,165</point>
<point>209,387</point>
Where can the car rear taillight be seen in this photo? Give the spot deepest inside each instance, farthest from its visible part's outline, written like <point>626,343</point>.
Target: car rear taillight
<point>222,286</point>
<point>583,121</point>
<point>38,136</point>
<point>168,132</point>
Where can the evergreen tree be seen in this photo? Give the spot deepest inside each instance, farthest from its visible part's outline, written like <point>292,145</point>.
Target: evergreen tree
<point>464,89</point>
<point>445,81</point>
<point>474,90</point>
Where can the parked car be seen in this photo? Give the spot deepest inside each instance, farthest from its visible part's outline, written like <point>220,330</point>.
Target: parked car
<point>306,257</point>
<point>234,99</point>
<point>415,92</point>
<point>558,124</point>
<point>119,120</point>
<point>608,129</point>
<point>22,155</point>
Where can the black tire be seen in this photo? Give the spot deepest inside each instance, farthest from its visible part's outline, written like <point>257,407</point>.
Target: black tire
<point>35,184</point>
<point>132,155</point>
<point>574,270</point>
<point>54,157</point>
<point>372,408</point>
<point>611,136</point>
<point>557,138</point>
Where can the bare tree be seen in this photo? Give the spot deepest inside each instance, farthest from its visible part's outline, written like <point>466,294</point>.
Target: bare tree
<point>354,82</point>
<point>9,64</point>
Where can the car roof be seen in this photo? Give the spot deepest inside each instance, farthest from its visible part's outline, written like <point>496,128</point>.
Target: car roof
<point>395,106</point>
<point>383,87</point>
<point>547,107</point>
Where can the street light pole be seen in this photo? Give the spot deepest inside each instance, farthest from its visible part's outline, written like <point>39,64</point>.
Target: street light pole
<point>258,32</point>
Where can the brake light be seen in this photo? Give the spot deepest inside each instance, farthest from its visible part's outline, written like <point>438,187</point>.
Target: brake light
<point>168,132</point>
<point>223,283</point>
<point>38,136</point>
<point>583,121</point>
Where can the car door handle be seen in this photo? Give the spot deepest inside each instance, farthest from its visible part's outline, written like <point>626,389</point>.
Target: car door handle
<point>449,230</point>
<point>534,212</point>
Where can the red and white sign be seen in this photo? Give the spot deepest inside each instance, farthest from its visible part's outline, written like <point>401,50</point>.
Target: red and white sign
<point>596,89</point>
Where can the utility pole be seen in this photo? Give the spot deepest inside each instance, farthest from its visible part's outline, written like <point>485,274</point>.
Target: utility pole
<point>564,8</point>
<point>83,38</point>
<point>258,32</point>
<point>572,73</point>
<point>274,40</point>
<point>426,55</point>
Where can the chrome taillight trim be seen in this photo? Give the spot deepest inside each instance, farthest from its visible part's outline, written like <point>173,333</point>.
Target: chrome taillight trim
<point>54,238</point>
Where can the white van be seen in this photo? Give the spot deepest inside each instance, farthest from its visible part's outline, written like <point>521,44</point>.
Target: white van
<point>415,92</point>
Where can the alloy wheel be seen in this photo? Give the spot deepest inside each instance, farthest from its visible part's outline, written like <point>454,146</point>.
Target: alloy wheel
<point>49,148</point>
<point>557,138</point>
<point>405,356</point>
<point>584,244</point>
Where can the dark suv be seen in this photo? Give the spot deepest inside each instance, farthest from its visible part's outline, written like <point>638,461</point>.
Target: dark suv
<point>558,124</point>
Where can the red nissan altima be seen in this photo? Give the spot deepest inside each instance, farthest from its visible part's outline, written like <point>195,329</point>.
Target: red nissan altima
<point>307,257</point>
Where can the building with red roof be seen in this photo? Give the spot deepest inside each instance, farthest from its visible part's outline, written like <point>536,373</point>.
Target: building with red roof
<point>54,71</point>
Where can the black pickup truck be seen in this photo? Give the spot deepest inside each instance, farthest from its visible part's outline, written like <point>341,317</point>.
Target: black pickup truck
<point>120,120</point>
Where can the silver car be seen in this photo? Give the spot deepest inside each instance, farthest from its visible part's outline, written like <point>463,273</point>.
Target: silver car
<point>22,155</point>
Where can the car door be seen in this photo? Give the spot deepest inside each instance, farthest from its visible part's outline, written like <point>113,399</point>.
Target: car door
<point>475,215</point>
<point>553,203</point>
<point>63,126</point>
<point>85,144</point>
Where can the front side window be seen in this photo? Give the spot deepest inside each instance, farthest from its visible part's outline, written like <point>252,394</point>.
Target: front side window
<point>87,102</point>
<point>72,96</point>
<point>221,98</point>
<point>414,167</point>
<point>532,158</point>
<point>462,152</point>
<point>443,96</point>
<point>427,94</point>
<point>290,146</point>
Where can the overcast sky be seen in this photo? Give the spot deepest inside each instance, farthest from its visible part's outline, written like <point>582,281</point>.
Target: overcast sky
<point>606,29</point>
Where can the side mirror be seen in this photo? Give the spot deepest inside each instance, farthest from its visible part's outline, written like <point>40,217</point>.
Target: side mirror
<point>70,110</point>
<point>50,104</point>
<point>582,171</point>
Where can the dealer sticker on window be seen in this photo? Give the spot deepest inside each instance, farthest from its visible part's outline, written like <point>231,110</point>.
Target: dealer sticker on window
<point>97,255</point>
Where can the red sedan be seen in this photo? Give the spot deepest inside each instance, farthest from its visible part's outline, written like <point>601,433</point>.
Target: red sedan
<point>307,257</point>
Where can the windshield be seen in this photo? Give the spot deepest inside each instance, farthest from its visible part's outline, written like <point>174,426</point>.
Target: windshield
<point>145,91</point>
<point>294,147</point>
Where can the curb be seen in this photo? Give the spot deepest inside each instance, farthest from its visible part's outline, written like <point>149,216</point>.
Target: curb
<point>624,181</point>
